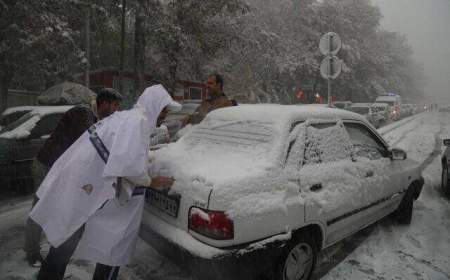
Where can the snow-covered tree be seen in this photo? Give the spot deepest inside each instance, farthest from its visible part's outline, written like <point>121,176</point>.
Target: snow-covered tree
<point>35,42</point>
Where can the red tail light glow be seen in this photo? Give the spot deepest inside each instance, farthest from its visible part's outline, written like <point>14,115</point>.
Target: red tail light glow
<point>212,224</point>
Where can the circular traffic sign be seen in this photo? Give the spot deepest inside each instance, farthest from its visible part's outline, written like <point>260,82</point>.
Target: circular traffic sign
<point>330,44</point>
<point>331,67</point>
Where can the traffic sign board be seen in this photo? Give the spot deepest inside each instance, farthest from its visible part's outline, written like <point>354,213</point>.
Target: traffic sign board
<point>330,44</point>
<point>331,67</point>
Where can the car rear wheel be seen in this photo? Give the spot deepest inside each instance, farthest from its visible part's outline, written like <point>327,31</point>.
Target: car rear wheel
<point>298,259</point>
<point>404,211</point>
<point>444,179</point>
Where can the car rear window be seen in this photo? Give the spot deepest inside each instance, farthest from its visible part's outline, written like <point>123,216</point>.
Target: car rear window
<point>232,133</point>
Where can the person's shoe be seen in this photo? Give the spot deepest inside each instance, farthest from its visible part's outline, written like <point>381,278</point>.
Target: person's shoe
<point>35,260</point>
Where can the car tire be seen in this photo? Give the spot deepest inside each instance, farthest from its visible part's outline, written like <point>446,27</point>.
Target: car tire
<point>298,259</point>
<point>404,211</point>
<point>445,179</point>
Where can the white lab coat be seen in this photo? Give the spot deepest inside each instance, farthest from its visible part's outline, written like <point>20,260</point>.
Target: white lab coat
<point>79,184</point>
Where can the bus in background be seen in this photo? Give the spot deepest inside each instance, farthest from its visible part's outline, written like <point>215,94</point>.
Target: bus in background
<point>395,103</point>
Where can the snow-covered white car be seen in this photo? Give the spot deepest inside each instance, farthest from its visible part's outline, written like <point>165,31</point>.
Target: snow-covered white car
<point>261,189</point>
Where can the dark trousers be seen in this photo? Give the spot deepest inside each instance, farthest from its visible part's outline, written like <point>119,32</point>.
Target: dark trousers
<point>33,233</point>
<point>54,265</point>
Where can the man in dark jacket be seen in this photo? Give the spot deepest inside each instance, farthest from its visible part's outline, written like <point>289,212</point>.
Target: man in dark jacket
<point>217,99</point>
<point>70,127</point>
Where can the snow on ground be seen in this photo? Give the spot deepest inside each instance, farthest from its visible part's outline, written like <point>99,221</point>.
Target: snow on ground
<point>383,251</point>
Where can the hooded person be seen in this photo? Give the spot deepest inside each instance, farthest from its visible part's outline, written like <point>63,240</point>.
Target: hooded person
<point>80,198</point>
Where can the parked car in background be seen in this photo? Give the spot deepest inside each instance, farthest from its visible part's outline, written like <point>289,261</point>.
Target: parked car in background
<point>394,101</point>
<point>172,121</point>
<point>406,110</point>
<point>342,104</point>
<point>14,113</point>
<point>21,140</point>
<point>365,109</point>
<point>261,189</point>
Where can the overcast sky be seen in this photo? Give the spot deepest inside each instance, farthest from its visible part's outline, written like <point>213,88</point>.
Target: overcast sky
<point>426,23</point>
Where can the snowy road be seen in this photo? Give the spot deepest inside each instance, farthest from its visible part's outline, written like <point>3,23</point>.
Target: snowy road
<point>383,251</point>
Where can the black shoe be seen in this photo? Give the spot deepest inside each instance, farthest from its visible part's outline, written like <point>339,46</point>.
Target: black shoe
<point>35,260</point>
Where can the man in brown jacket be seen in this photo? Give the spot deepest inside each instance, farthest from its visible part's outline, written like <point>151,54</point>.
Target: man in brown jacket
<point>217,99</point>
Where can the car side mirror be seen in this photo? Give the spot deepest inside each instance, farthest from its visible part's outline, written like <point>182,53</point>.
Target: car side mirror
<point>447,142</point>
<point>398,154</point>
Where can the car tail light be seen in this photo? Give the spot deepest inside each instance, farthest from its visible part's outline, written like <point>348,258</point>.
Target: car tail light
<point>212,224</point>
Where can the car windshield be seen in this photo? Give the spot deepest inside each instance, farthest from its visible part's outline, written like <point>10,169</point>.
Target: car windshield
<point>17,123</point>
<point>360,110</point>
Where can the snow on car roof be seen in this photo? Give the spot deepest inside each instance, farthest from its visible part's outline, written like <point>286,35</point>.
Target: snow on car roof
<point>45,110</point>
<point>12,110</point>
<point>273,113</point>
<point>38,109</point>
<point>24,129</point>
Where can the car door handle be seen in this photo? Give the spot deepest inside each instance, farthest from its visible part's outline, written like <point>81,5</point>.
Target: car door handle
<point>316,187</point>
<point>369,174</point>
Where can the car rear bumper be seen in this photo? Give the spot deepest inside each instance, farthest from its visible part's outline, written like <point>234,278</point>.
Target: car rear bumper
<point>206,262</point>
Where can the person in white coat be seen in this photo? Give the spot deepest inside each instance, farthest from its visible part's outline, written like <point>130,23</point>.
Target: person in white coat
<point>88,201</point>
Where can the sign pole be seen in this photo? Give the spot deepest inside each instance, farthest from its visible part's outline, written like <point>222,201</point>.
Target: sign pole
<point>330,68</point>
<point>329,92</point>
<point>330,46</point>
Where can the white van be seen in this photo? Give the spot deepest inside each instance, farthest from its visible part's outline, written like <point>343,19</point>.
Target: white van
<point>394,101</point>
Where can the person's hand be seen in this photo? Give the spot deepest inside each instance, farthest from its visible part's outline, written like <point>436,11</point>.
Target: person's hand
<point>161,182</point>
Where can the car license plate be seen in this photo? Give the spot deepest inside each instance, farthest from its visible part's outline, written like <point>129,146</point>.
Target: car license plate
<point>169,204</point>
